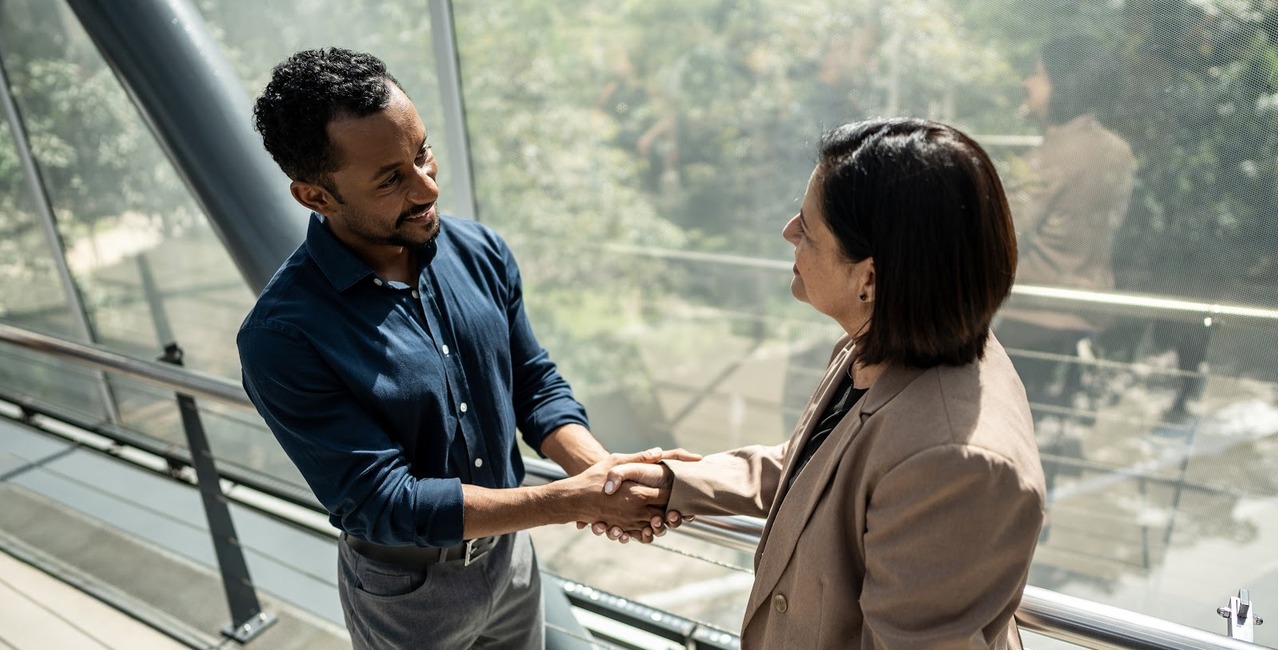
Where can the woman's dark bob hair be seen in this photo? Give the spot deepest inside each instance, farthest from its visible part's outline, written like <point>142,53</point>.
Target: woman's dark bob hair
<point>922,199</point>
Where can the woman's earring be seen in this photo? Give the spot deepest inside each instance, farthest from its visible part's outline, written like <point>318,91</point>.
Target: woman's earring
<point>863,297</point>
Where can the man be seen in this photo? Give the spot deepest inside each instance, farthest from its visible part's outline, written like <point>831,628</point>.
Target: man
<point>392,358</point>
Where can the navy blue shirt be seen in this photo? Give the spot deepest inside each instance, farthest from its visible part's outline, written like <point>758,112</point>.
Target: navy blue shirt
<point>388,397</point>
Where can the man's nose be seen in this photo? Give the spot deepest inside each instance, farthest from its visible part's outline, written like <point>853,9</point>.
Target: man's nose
<point>426,189</point>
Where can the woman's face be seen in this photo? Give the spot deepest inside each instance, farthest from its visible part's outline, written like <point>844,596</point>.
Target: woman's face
<point>823,275</point>
<point>1038,92</point>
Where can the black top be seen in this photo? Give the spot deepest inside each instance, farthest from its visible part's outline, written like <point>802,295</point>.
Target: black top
<point>843,401</point>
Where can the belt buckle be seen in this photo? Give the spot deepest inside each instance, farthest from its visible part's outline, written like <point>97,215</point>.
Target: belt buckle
<point>471,554</point>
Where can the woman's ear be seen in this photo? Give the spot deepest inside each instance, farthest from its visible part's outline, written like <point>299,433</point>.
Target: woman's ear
<point>865,283</point>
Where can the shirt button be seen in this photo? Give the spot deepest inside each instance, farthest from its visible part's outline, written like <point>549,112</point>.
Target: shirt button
<point>479,462</point>
<point>377,281</point>
<point>778,601</point>
<point>415,294</point>
<point>463,407</point>
<point>444,349</point>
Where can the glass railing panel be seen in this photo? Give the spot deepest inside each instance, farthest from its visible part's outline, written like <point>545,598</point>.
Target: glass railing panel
<point>686,577</point>
<point>241,443</point>
<point>1160,472</point>
<point>710,579</point>
<point>61,384</point>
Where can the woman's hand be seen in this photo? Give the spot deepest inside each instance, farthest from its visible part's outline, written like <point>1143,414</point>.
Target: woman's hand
<point>654,475</point>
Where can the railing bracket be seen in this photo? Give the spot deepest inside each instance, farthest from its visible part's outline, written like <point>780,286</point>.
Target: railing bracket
<point>246,631</point>
<point>1241,617</point>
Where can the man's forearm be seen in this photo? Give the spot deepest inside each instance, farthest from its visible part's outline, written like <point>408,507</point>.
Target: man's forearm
<point>488,511</point>
<point>573,447</point>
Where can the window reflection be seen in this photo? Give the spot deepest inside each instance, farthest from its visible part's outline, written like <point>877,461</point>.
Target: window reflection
<point>643,157</point>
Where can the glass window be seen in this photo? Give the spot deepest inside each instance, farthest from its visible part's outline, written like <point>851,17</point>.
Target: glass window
<point>643,157</point>
<point>255,36</point>
<point>32,295</point>
<point>141,254</point>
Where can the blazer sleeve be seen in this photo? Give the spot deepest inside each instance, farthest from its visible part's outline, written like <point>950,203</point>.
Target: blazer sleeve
<point>738,482</point>
<point>949,536</point>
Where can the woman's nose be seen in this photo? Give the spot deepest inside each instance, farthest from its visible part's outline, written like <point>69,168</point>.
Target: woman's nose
<point>791,230</point>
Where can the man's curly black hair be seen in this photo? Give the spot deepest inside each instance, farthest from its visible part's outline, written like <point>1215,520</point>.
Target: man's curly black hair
<point>306,92</point>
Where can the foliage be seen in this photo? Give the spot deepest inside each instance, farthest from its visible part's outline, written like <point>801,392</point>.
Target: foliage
<point>1199,112</point>
<point>1201,116</point>
<point>96,158</point>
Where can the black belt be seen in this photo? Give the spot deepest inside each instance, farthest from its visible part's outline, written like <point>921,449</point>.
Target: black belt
<point>420,556</point>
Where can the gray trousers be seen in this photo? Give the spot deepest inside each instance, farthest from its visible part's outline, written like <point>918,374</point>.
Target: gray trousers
<point>495,603</point>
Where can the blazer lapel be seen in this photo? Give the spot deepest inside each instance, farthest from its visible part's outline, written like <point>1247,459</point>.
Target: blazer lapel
<point>790,512</point>
<point>802,433</point>
<point>811,417</point>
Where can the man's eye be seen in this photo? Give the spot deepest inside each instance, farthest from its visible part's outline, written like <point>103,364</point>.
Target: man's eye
<point>390,180</point>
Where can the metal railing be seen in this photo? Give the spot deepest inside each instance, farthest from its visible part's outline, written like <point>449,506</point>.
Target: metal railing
<point>1128,303</point>
<point>1058,616</point>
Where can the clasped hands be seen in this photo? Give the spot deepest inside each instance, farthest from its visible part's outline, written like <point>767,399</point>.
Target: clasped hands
<point>625,495</point>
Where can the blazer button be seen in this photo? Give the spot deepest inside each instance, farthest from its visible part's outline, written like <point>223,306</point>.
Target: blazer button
<point>778,601</point>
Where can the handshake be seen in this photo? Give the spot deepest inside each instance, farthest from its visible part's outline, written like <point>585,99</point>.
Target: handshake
<point>625,495</point>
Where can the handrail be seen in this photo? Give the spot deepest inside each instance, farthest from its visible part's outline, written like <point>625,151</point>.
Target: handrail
<point>1101,298</point>
<point>1083,622</point>
<point>185,380</point>
<point>1066,618</point>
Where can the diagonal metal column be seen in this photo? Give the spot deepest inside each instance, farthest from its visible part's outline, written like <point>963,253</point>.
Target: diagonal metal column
<point>40,195</point>
<point>448,68</point>
<point>176,75</point>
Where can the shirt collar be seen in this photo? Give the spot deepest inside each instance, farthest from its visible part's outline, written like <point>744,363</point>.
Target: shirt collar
<point>342,267</point>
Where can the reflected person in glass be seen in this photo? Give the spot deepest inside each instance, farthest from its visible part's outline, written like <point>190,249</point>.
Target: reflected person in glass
<point>392,358</point>
<point>1068,201</point>
<point>904,509</point>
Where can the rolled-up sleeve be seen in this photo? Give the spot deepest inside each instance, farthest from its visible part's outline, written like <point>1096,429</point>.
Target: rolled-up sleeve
<point>358,473</point>
<point>542,398</point>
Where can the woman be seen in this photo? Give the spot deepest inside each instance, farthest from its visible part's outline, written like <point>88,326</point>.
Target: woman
<point>904,510</point>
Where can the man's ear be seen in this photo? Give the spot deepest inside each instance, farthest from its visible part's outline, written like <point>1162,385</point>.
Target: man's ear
<point>313,197</point>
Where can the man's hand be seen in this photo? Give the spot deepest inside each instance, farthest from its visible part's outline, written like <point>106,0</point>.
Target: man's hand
<point>649,474</point>
<point>630,507</point>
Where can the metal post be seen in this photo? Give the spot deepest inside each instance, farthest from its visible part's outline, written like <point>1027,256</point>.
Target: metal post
<point>159,316</point>
<point>44,206</point>
<point>247,618</point>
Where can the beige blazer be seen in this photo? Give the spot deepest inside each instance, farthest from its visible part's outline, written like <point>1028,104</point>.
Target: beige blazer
<point>912,527</point>
<point>1067,210</point>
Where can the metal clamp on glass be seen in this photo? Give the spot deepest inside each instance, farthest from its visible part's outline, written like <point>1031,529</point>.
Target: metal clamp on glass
<point>1242,618</point>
